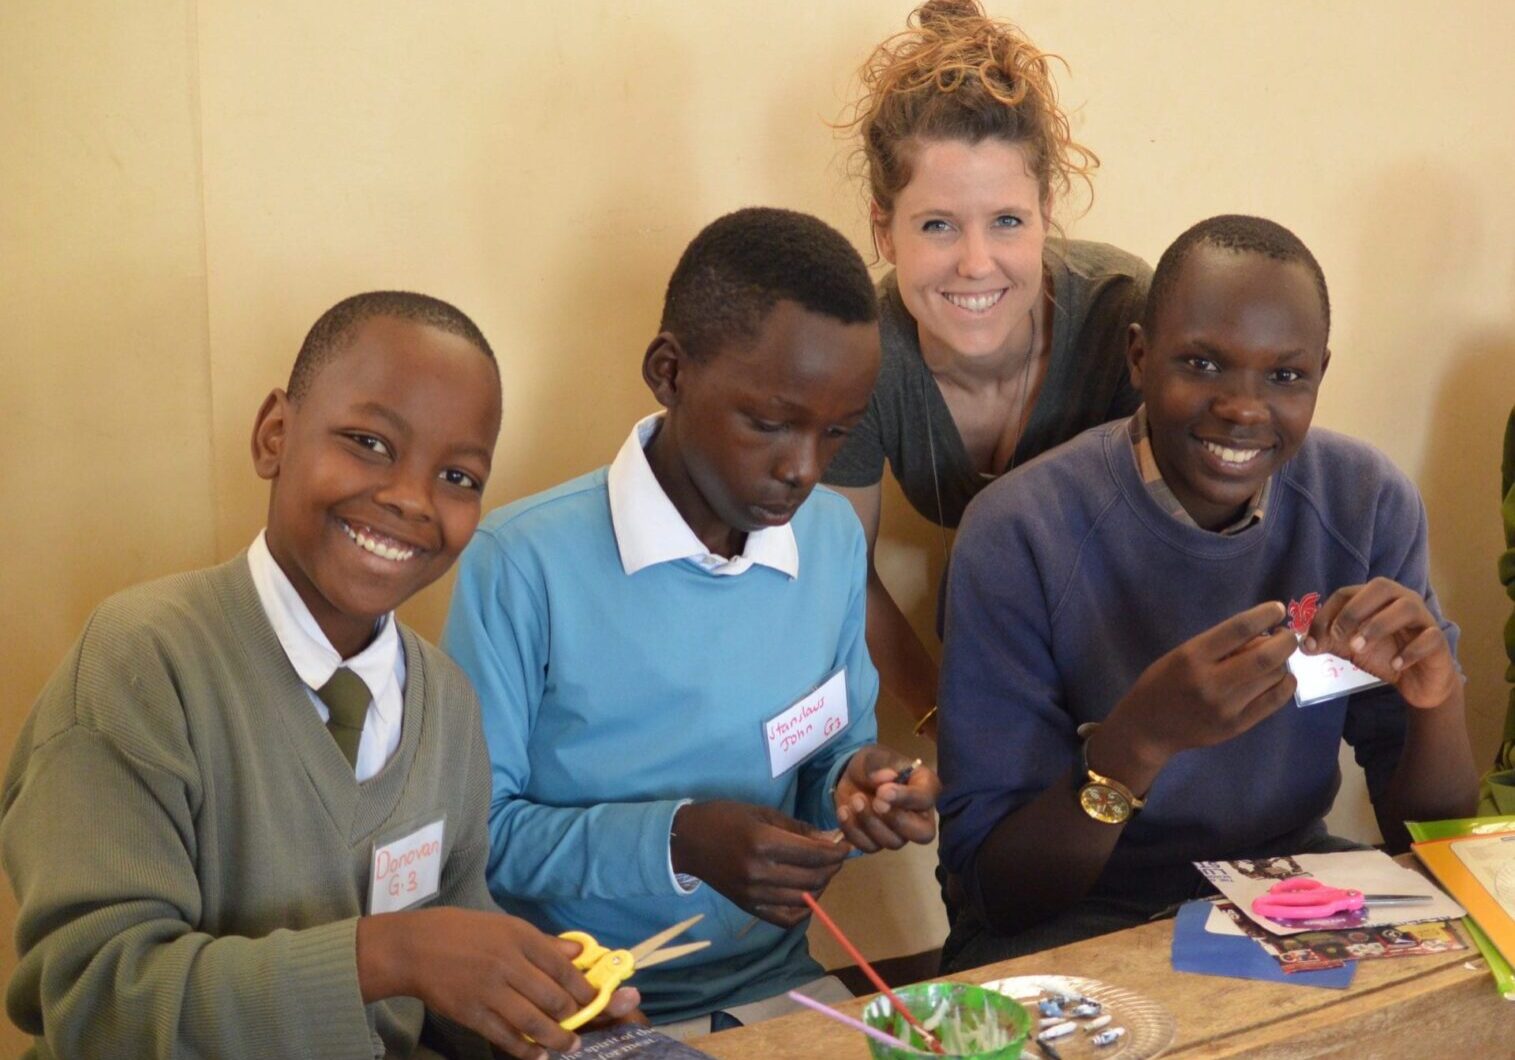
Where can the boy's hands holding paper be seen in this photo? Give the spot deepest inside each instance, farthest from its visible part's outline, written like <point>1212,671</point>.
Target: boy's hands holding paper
<point>490,972</point>
<point>1387,629</point>
<point>1224,681</point>
<point>1210,688</point>
<point>760,858</point>
<point>875,810</point>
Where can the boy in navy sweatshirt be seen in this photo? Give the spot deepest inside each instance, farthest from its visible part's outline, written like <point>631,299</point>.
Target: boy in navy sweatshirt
<point>1116,701</point>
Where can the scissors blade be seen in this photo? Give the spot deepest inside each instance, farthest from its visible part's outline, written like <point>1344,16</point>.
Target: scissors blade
<point>647,947</point>
<point>1397,899</point>
<point>659,956</point>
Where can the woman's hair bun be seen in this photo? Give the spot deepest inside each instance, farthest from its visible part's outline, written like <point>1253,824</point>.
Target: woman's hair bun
<point>943,14</point>
<point>955,73</point>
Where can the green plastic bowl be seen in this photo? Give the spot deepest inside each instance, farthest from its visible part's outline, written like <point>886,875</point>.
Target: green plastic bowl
<point>971,1003</point>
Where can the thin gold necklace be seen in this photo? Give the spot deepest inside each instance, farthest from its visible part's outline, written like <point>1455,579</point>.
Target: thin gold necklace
<point>936,481</point>
<point>1024,409</point>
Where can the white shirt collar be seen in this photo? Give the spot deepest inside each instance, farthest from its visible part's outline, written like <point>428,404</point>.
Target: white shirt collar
<point>308,649</point>
<point>649,529</point>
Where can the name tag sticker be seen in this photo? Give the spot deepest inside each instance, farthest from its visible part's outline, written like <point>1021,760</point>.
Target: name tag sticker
<point>1323,677</point>
<point>807,725</point>
<point>406,871</point>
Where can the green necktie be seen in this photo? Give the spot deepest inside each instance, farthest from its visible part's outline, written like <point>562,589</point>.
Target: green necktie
<point>347,697</point>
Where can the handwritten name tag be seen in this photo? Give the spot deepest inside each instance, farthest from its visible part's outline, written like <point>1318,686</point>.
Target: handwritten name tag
<point>1323,677</point>
<point>406,871</point>
<point>804,727</point>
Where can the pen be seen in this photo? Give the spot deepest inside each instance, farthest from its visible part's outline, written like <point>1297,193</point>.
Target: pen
<point>903,776</point>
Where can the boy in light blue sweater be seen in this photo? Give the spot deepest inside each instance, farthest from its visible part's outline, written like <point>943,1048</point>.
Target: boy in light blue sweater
<point>670,651</point>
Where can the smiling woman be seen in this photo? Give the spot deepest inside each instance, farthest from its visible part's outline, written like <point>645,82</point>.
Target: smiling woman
<point>1000,339</point>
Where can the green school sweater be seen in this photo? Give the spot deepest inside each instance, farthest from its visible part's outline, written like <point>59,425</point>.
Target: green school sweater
<point>191,851</point>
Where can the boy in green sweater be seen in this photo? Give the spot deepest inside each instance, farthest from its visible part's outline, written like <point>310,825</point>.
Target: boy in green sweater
<point>248,814</point>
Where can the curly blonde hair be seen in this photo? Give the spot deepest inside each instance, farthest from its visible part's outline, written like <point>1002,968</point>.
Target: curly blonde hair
<point>957,74</point>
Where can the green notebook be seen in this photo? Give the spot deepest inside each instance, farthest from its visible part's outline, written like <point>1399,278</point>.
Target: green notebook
<point>1421,831</point>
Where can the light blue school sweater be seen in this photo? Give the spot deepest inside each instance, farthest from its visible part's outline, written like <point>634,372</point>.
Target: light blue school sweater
<point>608,699</point>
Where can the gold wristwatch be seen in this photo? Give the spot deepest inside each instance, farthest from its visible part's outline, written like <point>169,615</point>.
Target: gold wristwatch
<point>1105,799</point>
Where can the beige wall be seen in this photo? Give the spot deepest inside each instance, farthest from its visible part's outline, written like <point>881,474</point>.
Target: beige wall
<point>105,462</point>
<point>184,187</point>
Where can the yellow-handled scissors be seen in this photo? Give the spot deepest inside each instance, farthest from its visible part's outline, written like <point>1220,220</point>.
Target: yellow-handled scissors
<point>608,969</point>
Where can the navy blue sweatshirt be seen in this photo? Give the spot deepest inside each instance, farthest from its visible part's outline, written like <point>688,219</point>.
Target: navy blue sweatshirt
<point>1068,580</point>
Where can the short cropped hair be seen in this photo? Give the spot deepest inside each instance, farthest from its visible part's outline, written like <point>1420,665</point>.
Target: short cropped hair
<point>742,264</point>
<point>1243,235</point>
<point>332,333</point>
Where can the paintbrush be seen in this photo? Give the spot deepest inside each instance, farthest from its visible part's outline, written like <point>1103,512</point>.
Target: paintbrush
<point>855,1024</point>
<point>873,976</point>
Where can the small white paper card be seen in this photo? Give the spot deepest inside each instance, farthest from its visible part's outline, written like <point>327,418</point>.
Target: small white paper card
<point>407,870</point>
<point>1219,922</point>
<point>807,725</point>
<point>1327,676</point>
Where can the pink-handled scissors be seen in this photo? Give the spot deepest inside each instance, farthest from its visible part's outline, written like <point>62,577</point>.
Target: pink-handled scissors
<point>1302,898</point>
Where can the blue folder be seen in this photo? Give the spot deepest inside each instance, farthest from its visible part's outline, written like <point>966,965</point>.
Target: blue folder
<point>1238,957</point>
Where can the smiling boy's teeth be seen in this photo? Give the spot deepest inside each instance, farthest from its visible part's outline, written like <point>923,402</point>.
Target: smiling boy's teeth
<point>975,303</point>
<point>1232,456</point>
<point>377,547</point>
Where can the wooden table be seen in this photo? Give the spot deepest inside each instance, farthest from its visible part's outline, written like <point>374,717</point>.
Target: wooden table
<point>1396,1007</point>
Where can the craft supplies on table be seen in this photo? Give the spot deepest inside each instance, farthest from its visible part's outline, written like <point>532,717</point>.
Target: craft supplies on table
<point>1301,900</point>
<point>607,969</point>
<point>1370,872</point>
<point>1204,947</point>
<point>968,1021</point>
<point>1145,1028</point>
<point>629,1042</point>
<point>1474,858</point>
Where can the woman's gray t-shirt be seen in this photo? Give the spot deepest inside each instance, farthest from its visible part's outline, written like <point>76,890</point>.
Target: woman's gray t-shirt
<point>1097,292</point>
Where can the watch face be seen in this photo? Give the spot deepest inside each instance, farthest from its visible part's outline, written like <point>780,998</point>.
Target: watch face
<point>1104,803</point>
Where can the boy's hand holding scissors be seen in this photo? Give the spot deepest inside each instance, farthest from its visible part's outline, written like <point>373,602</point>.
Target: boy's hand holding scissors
<point>883,800</point>
<point>606,969</point>
<point>1387,630</point>
<point>492,973</point>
